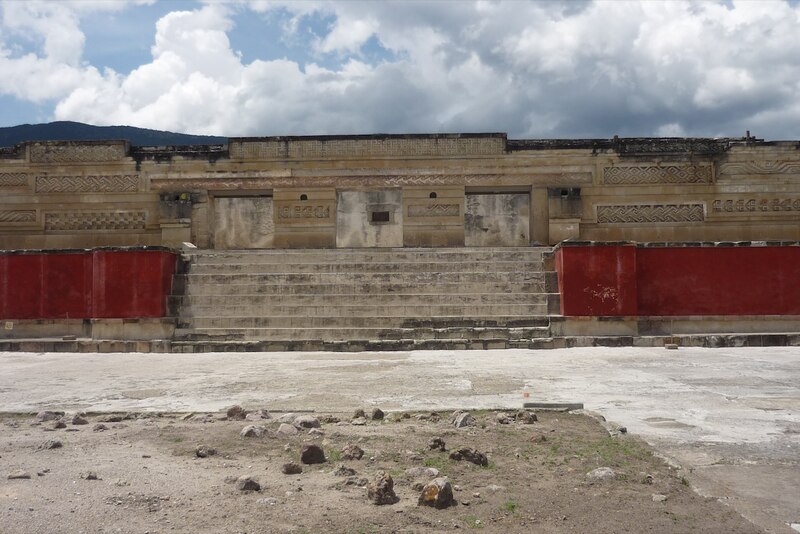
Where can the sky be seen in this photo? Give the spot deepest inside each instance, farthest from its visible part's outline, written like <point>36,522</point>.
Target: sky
<point>543,69</point>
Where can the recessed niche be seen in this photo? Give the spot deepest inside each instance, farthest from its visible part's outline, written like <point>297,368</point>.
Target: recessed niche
<point>379,217</point>
<point>303,197</point>
<point>432,195</point>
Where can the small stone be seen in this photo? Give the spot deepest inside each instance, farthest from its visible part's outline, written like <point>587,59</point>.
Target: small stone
<point>464,419</point>
<point>291,468</point>
<point>252,431</point>
<point>648,479</point>
<point>306,421</point>
<point>622,430</point>
<point>526,417</point>
<point>657,497</point>
<point>187,416</point>
<point>268,500</point>
<point>99,427</point>
<point>422,472</point>
<point>494,488</point>
<point>236,413</point>
<point>359,413</point>
<point>359,421</point>
<point>328,419</point>
<point>204,451</point>
<point>503,419</point>
<point>49,444</point>
<point>287,417</point>
<point>48,415</point>
<point>316,432</point>
<point>436,444</point>
<point>437,493</point>
<point>59,423</point>
<point>381,490</point>
<point>352,452</point>
<point>344,471</point>
<point>312,454</point>
<point>112,418</point>
<point>91,475</point>
<point>246,483</point>
<point>470,455</point>
<point>19,475</point>
<point>537,438</point>
<point>287,430</point>
<point>257,415</point>
<point>601,473</point>
<point>377,414</point>
<point>79,419</point>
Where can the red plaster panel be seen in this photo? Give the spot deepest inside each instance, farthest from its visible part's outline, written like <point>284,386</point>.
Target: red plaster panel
<point>22,287</point>
<point>597,280</point>
<point>719,280</point>
<point>131,283</point>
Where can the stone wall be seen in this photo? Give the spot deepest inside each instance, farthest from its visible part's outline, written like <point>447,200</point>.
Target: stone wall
<point>85,194</point>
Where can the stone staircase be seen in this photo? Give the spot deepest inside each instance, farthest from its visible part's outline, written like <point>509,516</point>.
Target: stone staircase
<point>365,299</point>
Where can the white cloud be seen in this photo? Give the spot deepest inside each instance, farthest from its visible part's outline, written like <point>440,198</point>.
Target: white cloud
<point>557,68</point>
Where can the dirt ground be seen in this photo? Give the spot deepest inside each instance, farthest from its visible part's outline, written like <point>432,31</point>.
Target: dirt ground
<point>150,480</point>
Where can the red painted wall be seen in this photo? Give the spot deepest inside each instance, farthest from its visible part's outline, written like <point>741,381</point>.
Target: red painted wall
<point>601,281</point>
<point>668,281</point>
<point>86,284</point>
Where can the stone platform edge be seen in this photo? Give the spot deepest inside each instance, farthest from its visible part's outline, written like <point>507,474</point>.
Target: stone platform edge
<point>189,347</point>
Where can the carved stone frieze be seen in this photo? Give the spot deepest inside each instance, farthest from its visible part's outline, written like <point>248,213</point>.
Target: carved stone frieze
<point>13,179</point>
<point>304,211</point>
<point>761,167</point>
<point>395,180</point>
<point>658,174</point>
<point>433,210</point>
<point>650,213</point>
<point>82,221</point>
<point>122,183</point>
<point>753,205</point>
<point>76,152</point>
<point>17,216</point>
<point>364,147</point>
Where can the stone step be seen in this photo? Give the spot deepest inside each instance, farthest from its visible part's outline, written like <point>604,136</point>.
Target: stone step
<point>321,301</point>
<point>369,267</point>
<point>374,289</point>
<point>363,278</point>
<point>304,322</point>
<point>368,255</point>
<point>363,311</point>
<point>345,334</point>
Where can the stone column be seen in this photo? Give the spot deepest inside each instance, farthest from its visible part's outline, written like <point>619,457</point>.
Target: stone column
<point>540,216</point>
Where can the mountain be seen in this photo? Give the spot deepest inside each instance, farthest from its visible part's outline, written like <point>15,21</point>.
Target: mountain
<point>77,131</point>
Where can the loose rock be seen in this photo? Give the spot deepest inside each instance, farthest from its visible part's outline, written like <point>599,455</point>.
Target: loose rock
<point>377,414</point>
<point>306,421</point>
<point>352,452</point>
<point>112,418</point>
<point>19,475</point>
<point>246,483</point>
<point>470,455</point>
<point>99,427</point>
<point>359,413</point>
<point>537,438</point>
<point>437,493</point>
<point>91,475</point>
<point>316,432</point>
<point>79,419</point>
<point>657,497</point>
<point>291,468</point>
<point>601,473</point>
<point>344,471</point>
<point>526,417</point>
<point>287,430</point>
<point>312,454</point>
<point>381,490</point>
<point>436,444</point>
<point>236,413</point>
<point>257,415</point>
<point>287,418</point>
<point>59,423</point>
<point>252,431</point>
<point>204,451</point>
<point>49,444</point>
<point>359,421</point>
<point>48,415</point>
<point>464,419</point>
<point>503,419</point>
